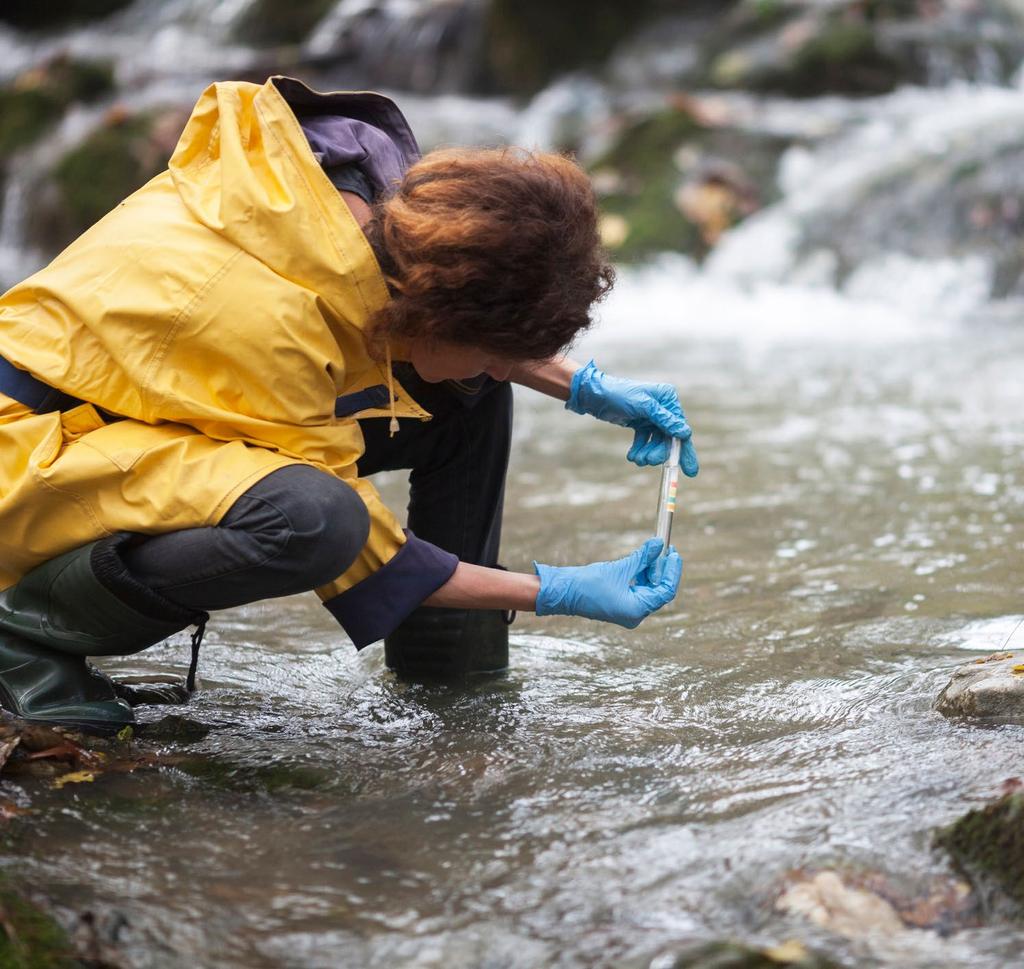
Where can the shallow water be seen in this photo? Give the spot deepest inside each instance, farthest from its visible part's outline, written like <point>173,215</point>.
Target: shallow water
<point>856,531</point>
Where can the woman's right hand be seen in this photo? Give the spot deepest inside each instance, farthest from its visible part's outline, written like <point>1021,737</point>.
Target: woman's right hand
<point>625,591</point>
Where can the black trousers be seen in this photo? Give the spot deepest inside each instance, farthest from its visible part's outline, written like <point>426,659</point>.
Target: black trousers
<point>299,528</point>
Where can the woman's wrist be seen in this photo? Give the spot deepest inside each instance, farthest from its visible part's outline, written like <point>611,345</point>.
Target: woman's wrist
<point>478,587</point>
<point>552,377</point>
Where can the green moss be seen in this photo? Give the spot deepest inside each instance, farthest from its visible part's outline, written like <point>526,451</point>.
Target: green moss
<point>529,42</point>
<point>841,56</point>
<point>48,14</point>
<point>844,58</point>
<point>271,777</point>
<point>98,174</point>
<point>278,22</point>
<point>28,108</point>
<point>987,845</point>
<point>643,159</point>
<point>25,116</point>
<point>29,938</point>
<point>759,14</point>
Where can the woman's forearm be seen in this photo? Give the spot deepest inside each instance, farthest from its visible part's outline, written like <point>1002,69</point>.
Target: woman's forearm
<point>552,377</point>
<point>478,587</point>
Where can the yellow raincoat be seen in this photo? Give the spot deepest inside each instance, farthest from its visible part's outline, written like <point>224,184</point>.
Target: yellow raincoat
<point>220,311</point>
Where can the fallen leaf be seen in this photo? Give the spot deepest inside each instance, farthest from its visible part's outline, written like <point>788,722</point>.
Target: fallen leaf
<point>7,748</point>
<point>792,950</point>
<point>75,777</point>
<point>69,750</point>
<point>8,811</point>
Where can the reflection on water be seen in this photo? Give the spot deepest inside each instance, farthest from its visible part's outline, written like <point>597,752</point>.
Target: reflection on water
<point>856,528</point>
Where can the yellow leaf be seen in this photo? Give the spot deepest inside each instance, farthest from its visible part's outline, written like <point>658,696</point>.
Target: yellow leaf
<point>125,734</point>
<point>789,951</point>
<point>75,777</point>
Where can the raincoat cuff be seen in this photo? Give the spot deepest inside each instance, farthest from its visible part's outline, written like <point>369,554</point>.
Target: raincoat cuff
<point>374,607</point>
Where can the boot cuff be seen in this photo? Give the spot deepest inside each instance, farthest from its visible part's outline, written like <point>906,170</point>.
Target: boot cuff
<point>109,569</point>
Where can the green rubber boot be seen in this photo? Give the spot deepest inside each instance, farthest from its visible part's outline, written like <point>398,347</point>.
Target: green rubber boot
<point>448,644</point>
<point>44,686</point>
<point>65,610</point>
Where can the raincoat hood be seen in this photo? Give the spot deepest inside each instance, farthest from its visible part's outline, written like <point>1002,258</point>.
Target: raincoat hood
<point>245,169</point>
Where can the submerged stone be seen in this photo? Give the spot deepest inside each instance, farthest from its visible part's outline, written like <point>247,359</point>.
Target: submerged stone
<point>29,938</point>
<point>987,845</point>
<point>992,687</point>
<point>174,729</point>
<point>737,955</point>
<point>864,903</point>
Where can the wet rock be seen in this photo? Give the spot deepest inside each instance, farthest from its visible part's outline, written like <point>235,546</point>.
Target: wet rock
<point>861,47</point>
<point>120,156</point>
<point>66,756</point>
<point>29,937</point>
<point>279,22</point>
<point>97,938</point>
<point>677,179</point>
<point>527,43</point>
<point>987,845</point>
<point>736,955</point>
<point>862,904</point>
<point>33,15</point>
<point>174,729</point>
<point>804,55</point>
<point>992,687</point>
<point>826,901</point>
<point>38,98</point>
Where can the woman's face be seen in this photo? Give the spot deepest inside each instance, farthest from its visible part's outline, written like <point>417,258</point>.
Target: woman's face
<point>437,360</point>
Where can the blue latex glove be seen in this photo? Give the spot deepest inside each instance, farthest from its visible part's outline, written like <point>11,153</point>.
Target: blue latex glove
<point>651,410</point>
<point>625,591</point>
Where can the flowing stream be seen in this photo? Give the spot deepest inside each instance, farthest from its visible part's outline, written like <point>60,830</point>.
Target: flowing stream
<point>856,531</point>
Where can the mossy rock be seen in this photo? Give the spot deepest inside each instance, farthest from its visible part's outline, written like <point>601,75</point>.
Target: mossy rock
<point>838,54</point>
<point>50,14</point>
<point>98,174</point>
<point>274,23</point>
<point>651,161</point>
<point>987,846</point>
<point>271,778</point>
<point>736,955</point>
<point>643,161</point>
<point>39,98</point>
<point>843,59</point>
<point>29,938</point>
<point>527,43</point>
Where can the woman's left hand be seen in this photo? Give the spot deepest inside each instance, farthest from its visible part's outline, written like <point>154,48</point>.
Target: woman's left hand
<point>653,412</point>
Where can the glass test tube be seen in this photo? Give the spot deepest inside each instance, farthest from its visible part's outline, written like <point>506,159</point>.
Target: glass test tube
<point>667,495</point>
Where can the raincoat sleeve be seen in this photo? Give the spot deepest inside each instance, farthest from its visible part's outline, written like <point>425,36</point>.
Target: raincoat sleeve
<point>394,573</point>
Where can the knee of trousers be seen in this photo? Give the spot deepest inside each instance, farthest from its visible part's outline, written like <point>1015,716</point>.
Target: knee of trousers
<point>326,522</point>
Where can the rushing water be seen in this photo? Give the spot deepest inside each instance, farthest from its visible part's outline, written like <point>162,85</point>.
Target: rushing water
<point>855,529</point>
<point>855,532</point>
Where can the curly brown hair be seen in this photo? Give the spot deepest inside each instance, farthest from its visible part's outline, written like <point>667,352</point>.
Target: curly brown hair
<point>492,248</point>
